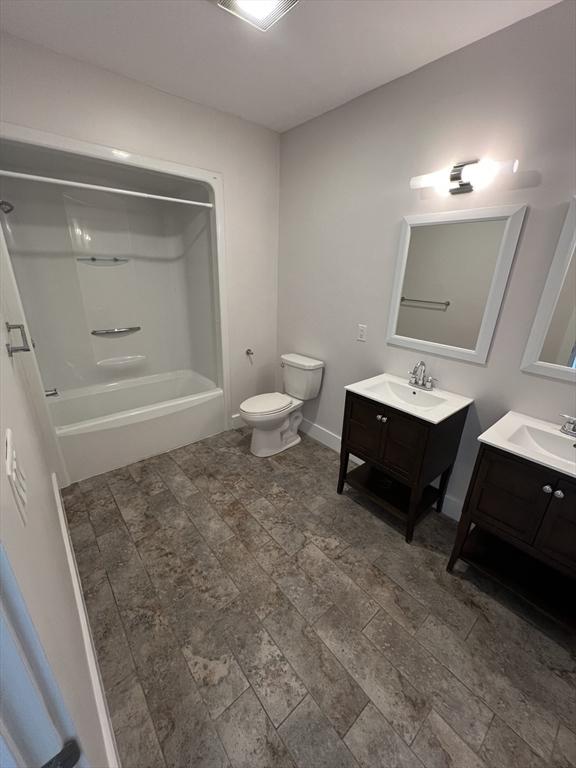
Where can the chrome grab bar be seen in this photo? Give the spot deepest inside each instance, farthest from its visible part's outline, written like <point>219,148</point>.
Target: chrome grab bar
<point>116,331</point>
<point>24,345</point>
<point>96,259</point>
<point>443,305</point>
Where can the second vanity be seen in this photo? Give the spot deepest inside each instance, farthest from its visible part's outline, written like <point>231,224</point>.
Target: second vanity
<point>407,437</point>
<point>523,492</point>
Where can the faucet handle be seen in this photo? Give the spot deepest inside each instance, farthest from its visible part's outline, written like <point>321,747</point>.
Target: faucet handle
<point>570,419</point>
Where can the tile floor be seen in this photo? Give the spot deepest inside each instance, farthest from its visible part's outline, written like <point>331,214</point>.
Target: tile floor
<point>246,615</point>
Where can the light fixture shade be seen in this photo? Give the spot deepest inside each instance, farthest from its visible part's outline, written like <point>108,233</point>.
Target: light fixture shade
<point>465,176</point>
<point>261,14</point>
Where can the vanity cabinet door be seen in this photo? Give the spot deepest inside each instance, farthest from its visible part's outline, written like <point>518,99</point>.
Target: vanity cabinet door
<point>509,495</point>
<point>363,426</point>
<point>403,444</point>
<point>557,535</point>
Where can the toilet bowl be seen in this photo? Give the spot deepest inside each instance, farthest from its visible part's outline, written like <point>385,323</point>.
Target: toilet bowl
<point>275,416</point>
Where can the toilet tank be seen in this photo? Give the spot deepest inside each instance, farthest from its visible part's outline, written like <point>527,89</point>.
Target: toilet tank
<point>302,376</point>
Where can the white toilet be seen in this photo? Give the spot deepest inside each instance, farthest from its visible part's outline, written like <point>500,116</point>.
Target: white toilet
<point>275,417</point>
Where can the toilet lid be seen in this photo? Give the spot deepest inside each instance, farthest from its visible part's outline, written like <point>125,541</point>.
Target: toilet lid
<point>272,402</point>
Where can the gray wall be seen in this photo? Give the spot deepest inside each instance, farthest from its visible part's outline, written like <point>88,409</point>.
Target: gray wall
<point>344,189</point>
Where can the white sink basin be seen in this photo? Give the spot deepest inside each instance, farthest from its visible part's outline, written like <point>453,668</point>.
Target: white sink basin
<point>433,406</point>
<point>539,441</point>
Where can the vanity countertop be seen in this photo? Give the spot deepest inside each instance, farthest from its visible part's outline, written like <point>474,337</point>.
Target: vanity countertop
<point>433,405</point>
<point>533,439</point>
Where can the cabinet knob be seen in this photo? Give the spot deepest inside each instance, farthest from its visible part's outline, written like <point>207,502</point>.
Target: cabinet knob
<point>379,418</point>
<point>559,494</point>
<point>384,418</point>
<point>547,488</point>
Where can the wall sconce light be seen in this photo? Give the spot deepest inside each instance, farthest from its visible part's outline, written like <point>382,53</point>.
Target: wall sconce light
<point>464,177</point>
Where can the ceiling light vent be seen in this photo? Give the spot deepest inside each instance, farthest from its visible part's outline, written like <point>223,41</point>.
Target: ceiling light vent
<point>262,14</point>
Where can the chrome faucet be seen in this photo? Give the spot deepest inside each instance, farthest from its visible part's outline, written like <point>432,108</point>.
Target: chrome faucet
<point>418,374</point>
<point>569,426</point>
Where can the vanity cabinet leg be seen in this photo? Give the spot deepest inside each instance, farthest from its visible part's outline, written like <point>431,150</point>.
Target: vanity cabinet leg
<point>415,496</point>
<point>344,455</point>
<point>461,535</point>
<point>442,488</point>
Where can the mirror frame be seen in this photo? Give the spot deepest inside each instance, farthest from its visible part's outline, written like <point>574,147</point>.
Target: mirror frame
<point>514,215</point>
<point>563,255</point>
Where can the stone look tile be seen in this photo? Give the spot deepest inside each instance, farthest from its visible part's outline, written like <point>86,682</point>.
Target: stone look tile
<point>112,648</point>
<point>404,608</point>
<point>536,726</point>
<point>273,679</point>
<point>338,696</point>
<point>208,577</point>
<point>353,601</point>
<point>502,748</point>
<point>217,673</point>
<point>258,589</point>
<point>564,754</point>
<point>551,692</point>
<point>178,576</point>
<point>461,709</point>
<point>207,520</point>
<point>404,565</point>
<point>400,703</point>
<point>312,740</point>
<point>82,536</point>
<point>279,525</point>
<point>145,476</point>
<point>307,596</point>
<point>375,744</point>
<point>137,741</point>
<point>249,737</point>
<point>187,735</point>
<point>438,746</point>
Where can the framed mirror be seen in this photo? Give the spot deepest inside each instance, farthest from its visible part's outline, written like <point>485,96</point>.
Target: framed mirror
<point>450,279</point>
<point>551,347</point>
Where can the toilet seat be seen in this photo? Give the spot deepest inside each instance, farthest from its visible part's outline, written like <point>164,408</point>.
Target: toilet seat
<point>271,402</point>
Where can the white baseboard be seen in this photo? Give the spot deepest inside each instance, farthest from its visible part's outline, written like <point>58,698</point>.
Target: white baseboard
<point>323,435</point>
<point>452,507</point>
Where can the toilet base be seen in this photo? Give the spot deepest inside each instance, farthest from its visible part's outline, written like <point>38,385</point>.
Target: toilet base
<point>269,442</point>
<point>264,453</point>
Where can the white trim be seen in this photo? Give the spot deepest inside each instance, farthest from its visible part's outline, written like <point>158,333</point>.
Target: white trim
<point>20,133</point>
<point>515,216</point>
<point>323,435</point>
<point>565,252</point>
<point>113,759</point>
<point>452,507</point>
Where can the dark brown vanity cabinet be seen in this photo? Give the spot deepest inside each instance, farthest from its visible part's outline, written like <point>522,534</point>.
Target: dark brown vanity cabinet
<point>403,455</point>
<point>523,503</point>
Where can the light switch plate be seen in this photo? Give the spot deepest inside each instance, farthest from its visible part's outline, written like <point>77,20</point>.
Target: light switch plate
<point>362,332</point>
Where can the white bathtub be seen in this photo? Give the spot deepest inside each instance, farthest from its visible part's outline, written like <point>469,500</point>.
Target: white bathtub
<point>106,426</point>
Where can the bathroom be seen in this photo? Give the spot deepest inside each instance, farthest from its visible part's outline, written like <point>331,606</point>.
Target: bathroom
<point>309,202</point>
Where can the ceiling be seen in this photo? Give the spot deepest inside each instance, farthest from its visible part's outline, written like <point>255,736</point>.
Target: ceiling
<point>320,55</point>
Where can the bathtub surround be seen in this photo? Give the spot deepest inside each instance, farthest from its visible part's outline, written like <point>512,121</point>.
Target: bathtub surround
<point>345,188</point>
<point>42,90</point>
<point>246,615</point>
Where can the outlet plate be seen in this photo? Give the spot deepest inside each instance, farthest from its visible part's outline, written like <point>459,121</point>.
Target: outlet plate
<point>362,332</point>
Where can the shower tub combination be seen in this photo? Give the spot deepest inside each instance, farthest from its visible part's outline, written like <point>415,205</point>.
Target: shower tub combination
<point>111,425</point>
<point>121,287</point>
